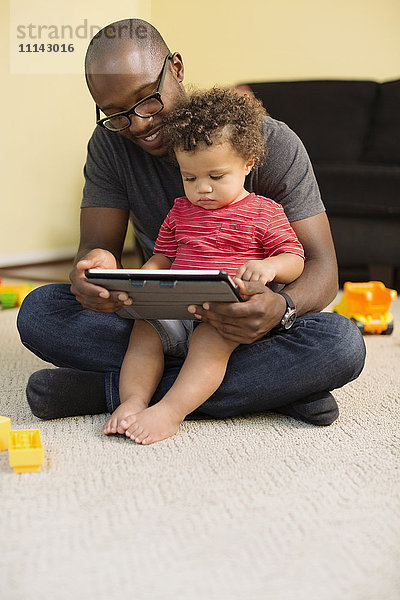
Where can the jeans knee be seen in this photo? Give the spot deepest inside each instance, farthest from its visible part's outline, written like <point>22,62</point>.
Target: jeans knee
<point>352,351</point>
<point>26,315</point>
<point>32,313</point>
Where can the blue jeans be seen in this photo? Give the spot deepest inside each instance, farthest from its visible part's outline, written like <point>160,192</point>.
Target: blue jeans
<point>321,352</point>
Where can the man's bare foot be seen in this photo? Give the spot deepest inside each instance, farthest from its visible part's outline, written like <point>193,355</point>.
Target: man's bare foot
<point>124,410</point>
<point>153,424</point>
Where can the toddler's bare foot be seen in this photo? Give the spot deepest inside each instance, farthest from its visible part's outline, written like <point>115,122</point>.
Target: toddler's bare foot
<point>124,410</point>
<point>153,424</point>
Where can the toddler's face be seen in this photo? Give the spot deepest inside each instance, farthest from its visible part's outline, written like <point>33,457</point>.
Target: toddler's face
<point>213,176</point>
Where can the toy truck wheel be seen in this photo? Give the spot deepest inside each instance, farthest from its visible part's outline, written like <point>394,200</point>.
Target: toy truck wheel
<point>360,325</point>
<point>388,330</point>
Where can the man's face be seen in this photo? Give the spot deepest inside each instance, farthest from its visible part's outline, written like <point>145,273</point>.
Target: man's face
<point>213,176</point>
<point>128,78</point>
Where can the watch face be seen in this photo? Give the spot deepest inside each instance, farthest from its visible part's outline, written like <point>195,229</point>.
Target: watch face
<point>289,318</point>
<point>290,315</point>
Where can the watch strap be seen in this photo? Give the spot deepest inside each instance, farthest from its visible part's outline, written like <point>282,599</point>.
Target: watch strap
<point>289,315</point>
<point>288,299</point>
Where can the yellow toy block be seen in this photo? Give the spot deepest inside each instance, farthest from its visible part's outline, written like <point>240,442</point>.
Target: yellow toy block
<point>5,426</point>
<point>13,295</point>
<point>25,451</point>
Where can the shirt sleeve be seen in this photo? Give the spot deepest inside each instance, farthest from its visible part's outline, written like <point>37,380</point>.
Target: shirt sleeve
<point>103,177</point>
<point>287,175</point>
<point>166,242</point>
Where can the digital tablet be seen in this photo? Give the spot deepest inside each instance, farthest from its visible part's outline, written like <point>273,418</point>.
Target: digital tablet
<point>166,294</point>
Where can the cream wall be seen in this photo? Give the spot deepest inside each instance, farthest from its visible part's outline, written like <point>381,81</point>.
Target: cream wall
<point>229,41</point>
<point>49,120</point>
<point>222,42</point>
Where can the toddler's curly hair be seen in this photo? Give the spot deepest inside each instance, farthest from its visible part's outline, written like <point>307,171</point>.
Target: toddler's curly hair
<point>216,115</point>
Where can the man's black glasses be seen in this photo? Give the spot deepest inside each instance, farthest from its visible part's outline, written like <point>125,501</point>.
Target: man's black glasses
<point>148,107</point>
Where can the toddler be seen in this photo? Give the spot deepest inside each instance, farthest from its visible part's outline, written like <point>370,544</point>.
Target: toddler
<point>216,137</point>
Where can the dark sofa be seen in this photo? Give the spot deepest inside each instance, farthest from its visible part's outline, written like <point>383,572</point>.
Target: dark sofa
<point>351,130</point>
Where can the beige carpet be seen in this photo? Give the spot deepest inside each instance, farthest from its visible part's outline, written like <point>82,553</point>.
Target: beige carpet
<point>253,508</point>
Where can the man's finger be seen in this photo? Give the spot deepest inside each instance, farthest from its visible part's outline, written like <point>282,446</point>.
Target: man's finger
<point>249,288</point>
<point>91,290</point>
<point>121,297</point>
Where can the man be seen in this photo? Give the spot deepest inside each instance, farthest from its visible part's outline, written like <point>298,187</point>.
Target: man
<point>291,365</point>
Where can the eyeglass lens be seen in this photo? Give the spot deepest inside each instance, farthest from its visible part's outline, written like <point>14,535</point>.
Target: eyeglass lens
<point>148,108</point>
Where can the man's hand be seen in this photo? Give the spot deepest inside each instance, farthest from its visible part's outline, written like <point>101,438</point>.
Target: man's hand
<point>93,296</point>
<point>244,322</point>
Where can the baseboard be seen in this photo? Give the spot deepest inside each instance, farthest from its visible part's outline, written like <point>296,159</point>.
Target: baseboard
<point>37,257</point>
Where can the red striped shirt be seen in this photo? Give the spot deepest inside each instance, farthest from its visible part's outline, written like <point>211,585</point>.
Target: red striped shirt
<point>225,238</point>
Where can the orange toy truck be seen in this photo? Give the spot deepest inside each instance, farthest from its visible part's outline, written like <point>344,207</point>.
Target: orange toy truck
<point>367,305</point>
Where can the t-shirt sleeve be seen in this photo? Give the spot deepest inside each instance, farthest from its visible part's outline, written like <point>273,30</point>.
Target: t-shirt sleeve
<point>166,241</point>
<point>278,235</point>
<point>103,180</point>
<point>286,174</point>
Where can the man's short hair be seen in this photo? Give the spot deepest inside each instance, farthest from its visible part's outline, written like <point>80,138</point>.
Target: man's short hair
<point>109,40</point>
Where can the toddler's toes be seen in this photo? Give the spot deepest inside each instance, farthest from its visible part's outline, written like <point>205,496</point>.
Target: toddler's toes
<point>128,421</point>
<point>124,425</point>
<point>140,436</point>
<point>147,440</point>
<point>134,435</point>
<point>137,432</point>
<point>132,429</point>
<point>106,428</point>
<point>113,426</point>
<point>121,428</point>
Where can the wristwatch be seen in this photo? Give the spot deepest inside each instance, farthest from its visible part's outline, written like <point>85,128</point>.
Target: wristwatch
<point>290,315</point>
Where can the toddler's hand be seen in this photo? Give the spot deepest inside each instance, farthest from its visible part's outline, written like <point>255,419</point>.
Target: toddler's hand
<point>257,270</point>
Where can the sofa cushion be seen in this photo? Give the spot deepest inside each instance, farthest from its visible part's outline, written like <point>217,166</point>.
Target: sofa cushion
<point>360,189</point>
<point>332,118</point>
<point>383,144</point>
<point>366,241</point>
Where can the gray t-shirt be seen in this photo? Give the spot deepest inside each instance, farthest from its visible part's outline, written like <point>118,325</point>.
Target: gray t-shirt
<point>119,174</point>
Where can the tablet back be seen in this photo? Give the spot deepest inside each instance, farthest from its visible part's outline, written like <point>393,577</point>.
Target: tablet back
<point>169,299</point>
